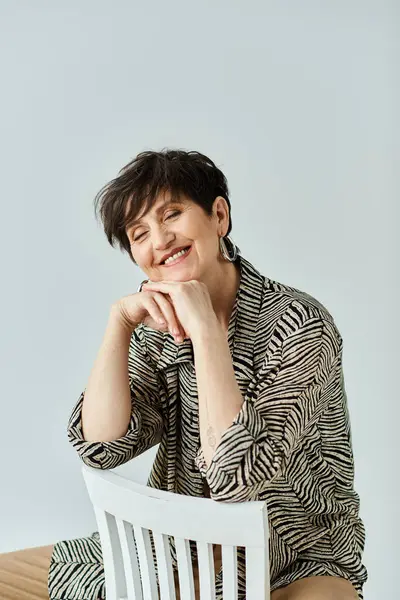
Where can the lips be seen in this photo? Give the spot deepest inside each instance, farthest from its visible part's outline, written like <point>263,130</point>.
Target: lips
<point>174,251</point>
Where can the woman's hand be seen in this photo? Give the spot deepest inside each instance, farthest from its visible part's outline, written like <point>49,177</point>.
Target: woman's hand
<point>191,302</point>
<point>154,309</point>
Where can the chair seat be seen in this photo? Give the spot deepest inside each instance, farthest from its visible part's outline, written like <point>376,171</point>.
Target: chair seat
<point>23,574</point>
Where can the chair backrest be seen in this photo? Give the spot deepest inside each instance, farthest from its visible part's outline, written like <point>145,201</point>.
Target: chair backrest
<point>126,513</point>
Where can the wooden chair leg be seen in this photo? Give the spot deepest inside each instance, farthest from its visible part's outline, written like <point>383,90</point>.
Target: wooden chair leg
<point>23,574</point>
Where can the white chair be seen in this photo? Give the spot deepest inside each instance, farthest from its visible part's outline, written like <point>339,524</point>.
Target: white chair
<point>126,511</point>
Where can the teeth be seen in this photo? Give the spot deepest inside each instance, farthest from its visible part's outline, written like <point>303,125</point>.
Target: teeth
<point>175,256</point>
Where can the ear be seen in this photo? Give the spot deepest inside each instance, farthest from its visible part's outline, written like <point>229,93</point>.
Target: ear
<point>221,212</point>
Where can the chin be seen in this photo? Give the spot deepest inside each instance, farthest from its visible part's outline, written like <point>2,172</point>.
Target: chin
<point>180,278</point>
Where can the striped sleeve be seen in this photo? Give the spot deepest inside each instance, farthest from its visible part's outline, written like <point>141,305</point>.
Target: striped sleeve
<point>146,421</point>
<point>296,385</point>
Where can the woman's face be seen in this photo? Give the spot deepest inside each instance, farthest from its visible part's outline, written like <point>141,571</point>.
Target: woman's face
<point>170,227</point>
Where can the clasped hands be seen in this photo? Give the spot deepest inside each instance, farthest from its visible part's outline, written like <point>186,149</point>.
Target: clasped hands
<point>192,306</point>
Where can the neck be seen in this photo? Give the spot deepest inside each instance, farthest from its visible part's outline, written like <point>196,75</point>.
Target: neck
<point>223,296</point>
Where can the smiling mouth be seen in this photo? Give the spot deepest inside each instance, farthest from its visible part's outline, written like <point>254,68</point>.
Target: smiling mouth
<point>185,251</point>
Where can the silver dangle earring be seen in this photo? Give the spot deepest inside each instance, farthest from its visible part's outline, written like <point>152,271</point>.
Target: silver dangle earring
<point>140,286</point>
<point>234,250</point>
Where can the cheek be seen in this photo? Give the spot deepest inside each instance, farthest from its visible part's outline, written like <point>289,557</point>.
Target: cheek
<point>142,257</point>
<point>196,230</point>
<point>148,259</point>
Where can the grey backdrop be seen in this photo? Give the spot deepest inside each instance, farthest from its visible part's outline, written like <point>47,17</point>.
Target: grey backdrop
<point>295,102</point>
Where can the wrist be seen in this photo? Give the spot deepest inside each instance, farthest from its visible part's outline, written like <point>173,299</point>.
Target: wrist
<point>208,332</point>
<point>118,319</point>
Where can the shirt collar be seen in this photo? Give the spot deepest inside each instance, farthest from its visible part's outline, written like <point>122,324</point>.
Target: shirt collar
<point>242,324</point>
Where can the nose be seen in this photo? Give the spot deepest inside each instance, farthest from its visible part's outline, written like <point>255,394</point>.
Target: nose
<point>161,238</point>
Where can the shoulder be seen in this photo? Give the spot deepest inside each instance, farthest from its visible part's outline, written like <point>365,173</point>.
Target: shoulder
<point>277,297</point>
<point>281,299</point>
<point>287,311</point>
<point>296,334</point>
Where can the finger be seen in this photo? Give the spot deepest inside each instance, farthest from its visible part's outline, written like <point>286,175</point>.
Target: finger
<point>165,288</point>
<point>160,286</point>
<point>168,310</point>
<point>164,293</point>
<point>154,310</point>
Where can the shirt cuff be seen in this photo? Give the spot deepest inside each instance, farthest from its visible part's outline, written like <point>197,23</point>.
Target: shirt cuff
<point>236,442</point>
<point>103,455</point>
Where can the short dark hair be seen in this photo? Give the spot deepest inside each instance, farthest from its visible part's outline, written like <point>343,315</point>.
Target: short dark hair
<point>140,182</point>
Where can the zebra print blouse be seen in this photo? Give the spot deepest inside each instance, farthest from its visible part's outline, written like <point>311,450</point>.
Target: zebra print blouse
<point>289,445</point>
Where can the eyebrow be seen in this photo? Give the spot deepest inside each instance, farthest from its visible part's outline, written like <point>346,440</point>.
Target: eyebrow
<point>158,210</point>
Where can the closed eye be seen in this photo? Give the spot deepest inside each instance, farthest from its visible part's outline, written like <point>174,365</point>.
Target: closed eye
<point>173,214</point>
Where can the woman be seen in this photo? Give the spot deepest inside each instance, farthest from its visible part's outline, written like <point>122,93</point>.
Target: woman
<point>238,377</point>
